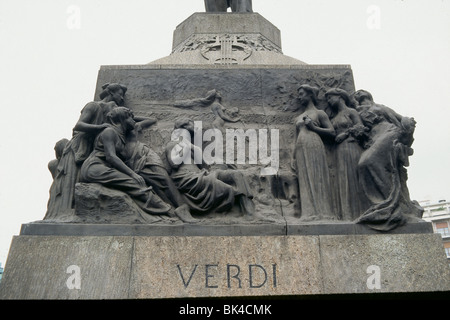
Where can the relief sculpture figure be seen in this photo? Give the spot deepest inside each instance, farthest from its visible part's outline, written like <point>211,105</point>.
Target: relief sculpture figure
<point>350,200</point>
<point>90,123</point>
<point>382,165</point>
<point>213,99</point>
<point>207,192</point>
<point>106,165</point>
<point>144,161</point>
<point>222,114</point>
<point>310,160</point>
<point>59,148</point>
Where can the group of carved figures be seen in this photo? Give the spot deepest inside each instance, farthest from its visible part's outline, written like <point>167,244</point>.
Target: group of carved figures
<point>105,149</point>
<point>369,145</point>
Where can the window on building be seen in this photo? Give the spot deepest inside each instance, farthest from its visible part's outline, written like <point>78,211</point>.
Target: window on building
<point>442,228</point>
<point>447,249</point>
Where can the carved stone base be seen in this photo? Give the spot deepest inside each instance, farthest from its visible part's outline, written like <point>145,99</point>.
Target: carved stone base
<point>215,23</point>
<point>282,227</point>
<point>227,39</point>
<point>97,204</point>
<point>143,267</point>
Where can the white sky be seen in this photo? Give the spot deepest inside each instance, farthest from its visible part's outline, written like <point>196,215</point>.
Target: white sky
<point>49,66</point>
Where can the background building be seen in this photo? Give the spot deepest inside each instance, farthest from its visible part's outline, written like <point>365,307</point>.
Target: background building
<point>439,214</point>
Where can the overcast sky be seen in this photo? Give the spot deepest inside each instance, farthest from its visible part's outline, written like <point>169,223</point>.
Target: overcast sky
<point>51,51</point>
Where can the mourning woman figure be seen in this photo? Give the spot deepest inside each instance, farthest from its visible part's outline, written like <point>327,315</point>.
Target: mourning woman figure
<point>106,164</point>
<point>350,130</point>
<point>143,160</point>
<point>382,165</point>
<point>90,123</point>
<point>310,161</point>
<point>205,191</point>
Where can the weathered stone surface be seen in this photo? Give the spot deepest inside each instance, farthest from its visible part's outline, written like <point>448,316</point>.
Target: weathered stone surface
<point>136,267</point>
<point>407,263</point>
<point>287,227</point>
<point>204,267</point>
<point>339,228</point>
<point>266,96</point>
<point>37,267</point>
<point>246,58</point>
<point>217,23</point>
<point>226,39</point>
<point>96,204</point>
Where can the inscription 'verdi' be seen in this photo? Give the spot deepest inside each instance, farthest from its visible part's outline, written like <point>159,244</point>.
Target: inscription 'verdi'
<point>258,275</point>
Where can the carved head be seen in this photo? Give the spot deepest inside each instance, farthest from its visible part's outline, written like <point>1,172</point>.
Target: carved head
<point>335,95</point>
<point>218,96</point>
<point>59,147</point>
<point>122,117</point>
<point>114,92</point>
<point>363,95</point>
<point>307,93</point>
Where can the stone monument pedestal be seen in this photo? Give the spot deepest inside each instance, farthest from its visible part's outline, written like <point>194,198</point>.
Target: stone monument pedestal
<point>159,267</point>
<point>99,256</point>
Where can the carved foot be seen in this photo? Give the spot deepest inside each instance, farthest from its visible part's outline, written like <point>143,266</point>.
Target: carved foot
<point>184,214</point>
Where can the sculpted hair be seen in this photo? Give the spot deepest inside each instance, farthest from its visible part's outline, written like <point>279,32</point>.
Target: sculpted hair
<point>117,115</point>
<point>59,147</point>
<point>339,92</point>
<point>312,91</point>
<point>111,87</point>
<point>360,94</point>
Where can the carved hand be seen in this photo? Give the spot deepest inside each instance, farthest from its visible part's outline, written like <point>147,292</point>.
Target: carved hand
<point>309,123</point>
<point>341,137</point>
<point>139,179</point>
